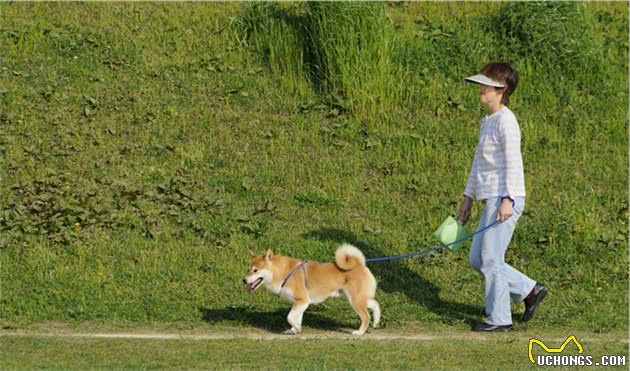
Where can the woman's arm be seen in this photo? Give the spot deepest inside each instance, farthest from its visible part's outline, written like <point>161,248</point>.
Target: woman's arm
<point>510,136</point>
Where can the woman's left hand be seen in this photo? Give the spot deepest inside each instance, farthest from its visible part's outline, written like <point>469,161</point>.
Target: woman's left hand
<point>505,211</point>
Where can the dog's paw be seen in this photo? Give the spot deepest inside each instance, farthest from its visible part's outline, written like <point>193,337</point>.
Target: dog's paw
<point>376,325</point>
<point>291,331</point>
<point>358,333</point>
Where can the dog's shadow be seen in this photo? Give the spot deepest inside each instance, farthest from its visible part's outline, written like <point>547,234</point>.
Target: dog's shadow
<point>275,321</point>
<point>395,277</point>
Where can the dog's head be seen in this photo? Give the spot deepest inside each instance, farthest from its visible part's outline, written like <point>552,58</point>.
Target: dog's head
<point>259,270</point>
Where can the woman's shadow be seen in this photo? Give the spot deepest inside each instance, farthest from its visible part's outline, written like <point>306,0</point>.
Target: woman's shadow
<point>394,277</point>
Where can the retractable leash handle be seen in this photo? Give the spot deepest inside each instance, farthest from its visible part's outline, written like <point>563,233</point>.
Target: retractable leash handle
<point>432,250</point>
<point>449,231</point>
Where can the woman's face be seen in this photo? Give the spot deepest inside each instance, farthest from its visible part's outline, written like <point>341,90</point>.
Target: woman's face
<point>489,95</point>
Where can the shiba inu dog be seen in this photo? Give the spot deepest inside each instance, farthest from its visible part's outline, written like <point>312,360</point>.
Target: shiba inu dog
<point>305,283</point>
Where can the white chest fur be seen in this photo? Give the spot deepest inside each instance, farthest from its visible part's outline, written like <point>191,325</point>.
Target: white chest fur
<point>319,299</point>
<point>284,292</point>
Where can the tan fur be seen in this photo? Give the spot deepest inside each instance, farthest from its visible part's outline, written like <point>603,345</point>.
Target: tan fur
<point>348,276</point>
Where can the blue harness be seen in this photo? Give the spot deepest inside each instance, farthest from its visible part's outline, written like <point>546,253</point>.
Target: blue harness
<point>301,265</point>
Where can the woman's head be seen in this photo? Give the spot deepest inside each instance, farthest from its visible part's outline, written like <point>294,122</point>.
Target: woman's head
<point>503,73</point>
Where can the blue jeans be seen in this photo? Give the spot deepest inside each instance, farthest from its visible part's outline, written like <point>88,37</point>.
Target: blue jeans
<point>487,256</point>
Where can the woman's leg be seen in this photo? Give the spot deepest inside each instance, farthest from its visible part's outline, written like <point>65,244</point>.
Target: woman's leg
<point>501,280</point>
<point>520,284</point>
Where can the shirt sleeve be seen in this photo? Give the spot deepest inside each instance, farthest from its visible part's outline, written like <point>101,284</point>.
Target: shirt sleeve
<point>470,185</point>
<point>510,136</point>
<point>470,189</point>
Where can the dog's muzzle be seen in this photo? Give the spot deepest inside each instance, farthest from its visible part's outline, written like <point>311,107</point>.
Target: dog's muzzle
<point>254,285</point>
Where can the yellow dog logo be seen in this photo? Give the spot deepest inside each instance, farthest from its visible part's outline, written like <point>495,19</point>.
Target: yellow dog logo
<point>553,350</point>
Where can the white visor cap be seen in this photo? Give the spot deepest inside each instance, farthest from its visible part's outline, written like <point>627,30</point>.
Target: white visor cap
<point>484,80</point>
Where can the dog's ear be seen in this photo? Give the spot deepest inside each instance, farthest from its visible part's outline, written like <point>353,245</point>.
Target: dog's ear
<point>253,254</point>
<point>269,254</point>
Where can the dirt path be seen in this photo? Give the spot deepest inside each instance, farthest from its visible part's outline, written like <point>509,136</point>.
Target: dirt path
<point>268,336</point>
<point>193,331</point>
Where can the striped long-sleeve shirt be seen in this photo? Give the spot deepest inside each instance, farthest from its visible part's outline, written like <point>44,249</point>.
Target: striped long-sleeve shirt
<point>497,168</point>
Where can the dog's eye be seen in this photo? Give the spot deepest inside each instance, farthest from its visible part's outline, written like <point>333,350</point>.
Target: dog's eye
<point>255,270</point>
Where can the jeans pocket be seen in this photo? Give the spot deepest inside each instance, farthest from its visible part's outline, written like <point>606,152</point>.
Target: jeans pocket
<point>518,207</point>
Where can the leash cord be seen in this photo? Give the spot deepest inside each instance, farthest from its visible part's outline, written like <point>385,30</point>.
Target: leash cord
<point>427,252</point>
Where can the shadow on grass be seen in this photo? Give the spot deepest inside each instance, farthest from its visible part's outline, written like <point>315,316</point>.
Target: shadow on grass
<point>394,276</point>
<point>275,321</point>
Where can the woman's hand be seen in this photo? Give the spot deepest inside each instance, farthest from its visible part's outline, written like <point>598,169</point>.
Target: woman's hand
<point>505,211</point>
<point>464,210</point>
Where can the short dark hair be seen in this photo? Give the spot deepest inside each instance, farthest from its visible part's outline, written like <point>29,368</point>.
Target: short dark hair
<point>504,73</point>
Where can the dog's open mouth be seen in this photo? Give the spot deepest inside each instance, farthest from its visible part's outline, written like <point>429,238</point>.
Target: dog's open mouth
<point>252,286</point>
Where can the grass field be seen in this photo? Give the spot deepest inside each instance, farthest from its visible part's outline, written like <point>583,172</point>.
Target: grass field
<point>81,354</point>
<point>97,345</point>
<point>146,147</point>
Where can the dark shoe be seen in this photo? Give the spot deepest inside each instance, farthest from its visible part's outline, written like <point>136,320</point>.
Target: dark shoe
<point>486,327</point>
<point>532,301</point>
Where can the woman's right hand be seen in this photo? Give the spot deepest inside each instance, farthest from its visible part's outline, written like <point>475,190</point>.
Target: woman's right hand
<point>464,210</point>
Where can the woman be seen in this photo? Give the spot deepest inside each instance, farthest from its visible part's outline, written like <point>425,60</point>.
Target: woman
<point>497,178</point>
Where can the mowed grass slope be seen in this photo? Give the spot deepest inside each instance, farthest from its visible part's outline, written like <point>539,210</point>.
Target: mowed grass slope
<point>144,150</point>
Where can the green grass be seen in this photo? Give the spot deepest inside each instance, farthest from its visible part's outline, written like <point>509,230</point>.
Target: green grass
<point>415,345</point>
<point>341,50</point>
<point>31,352</point>
<point>145,149</point>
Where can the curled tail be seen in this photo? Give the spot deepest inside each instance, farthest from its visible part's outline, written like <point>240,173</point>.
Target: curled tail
<point>347,257</point>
